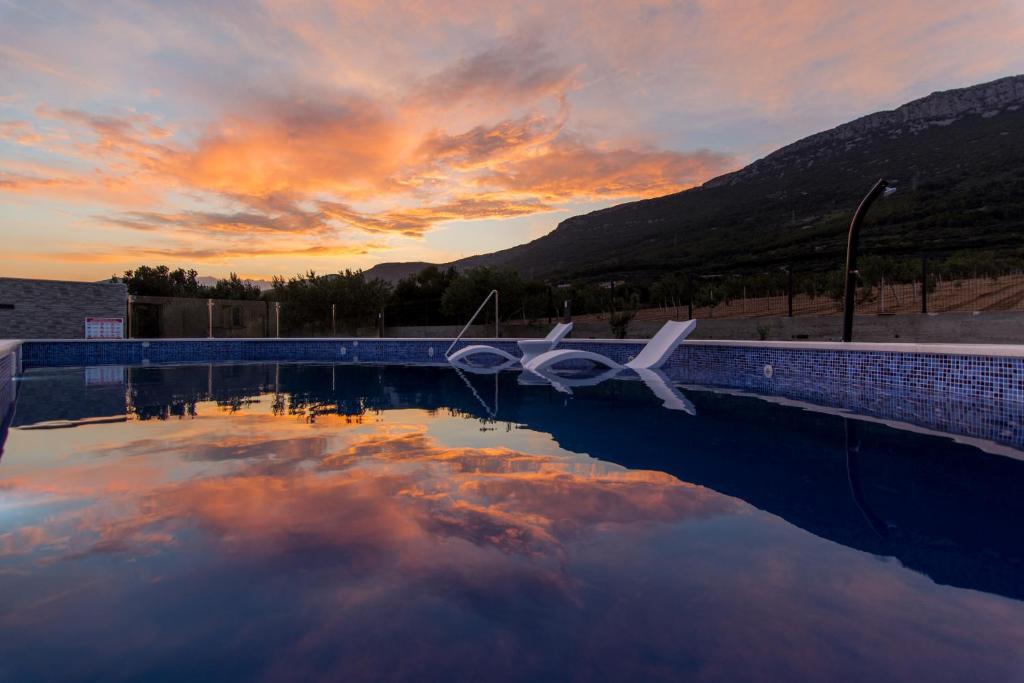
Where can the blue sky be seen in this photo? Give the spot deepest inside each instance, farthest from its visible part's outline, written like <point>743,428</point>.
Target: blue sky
<point>270,138</point>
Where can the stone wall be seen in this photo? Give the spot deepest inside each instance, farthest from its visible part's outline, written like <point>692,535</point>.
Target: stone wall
<point>55,309</point>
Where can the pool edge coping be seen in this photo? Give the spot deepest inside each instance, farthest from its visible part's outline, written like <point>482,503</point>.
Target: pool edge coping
<point>991,350</point>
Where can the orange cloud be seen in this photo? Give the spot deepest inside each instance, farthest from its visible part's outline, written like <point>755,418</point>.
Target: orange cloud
<point>16,182</point>
<point>20,132</point>
<point>416,221</point>
<point>294,220</point>
<point>485,145</point>
<point>520,69</point>
<point>218,254</point>
<point>131,138</point>
<point>349,146</point>
<point>293,167</point>
<point>391,490</point>
<point>570,169</point>
<point>450,114</point>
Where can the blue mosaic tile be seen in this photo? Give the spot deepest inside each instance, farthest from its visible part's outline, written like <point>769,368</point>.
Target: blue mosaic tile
<point>975,395</point>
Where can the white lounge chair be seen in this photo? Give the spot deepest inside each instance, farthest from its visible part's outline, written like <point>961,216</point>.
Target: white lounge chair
<point>530,348</point>
<point>652,356</point>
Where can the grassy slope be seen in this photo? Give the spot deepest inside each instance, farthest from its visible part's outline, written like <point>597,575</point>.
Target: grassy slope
<point>960,186</point>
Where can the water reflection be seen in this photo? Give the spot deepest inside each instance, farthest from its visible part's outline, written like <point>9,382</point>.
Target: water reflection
<point>306,518</point>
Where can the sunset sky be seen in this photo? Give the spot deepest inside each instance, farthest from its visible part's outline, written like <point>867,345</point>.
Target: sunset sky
<point>275,137</point>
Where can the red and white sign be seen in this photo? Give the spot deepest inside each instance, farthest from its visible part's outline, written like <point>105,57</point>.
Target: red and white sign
<point>104,328</point>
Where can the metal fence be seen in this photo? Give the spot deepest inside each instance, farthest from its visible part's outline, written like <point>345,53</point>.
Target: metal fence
<point>152,317</point>
<point>906,287</point>
<point>728,297</point>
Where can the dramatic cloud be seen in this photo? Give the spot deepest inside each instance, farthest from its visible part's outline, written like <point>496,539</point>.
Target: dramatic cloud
<point>521,70</point>
<point>300,126</point>
<point>15,182</point>
<point>292,221</point>
<point>484,145</point>
<point>20,132</point>
<point>390,490</point>
<point>350,147</point>
<point>416,221</point>
<point>227,253</point>
<point>570,170</point>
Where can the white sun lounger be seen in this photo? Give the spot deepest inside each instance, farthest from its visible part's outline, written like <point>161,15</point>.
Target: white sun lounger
<point>652,356</point>
<point>530,347</point>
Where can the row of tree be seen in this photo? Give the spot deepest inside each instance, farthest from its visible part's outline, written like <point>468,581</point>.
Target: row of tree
<point>162,281</point>
<point>314,303</point>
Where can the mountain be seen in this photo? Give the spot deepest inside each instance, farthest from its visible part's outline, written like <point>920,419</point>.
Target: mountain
<point>210,281</point>
<point>956,157</point>
<point>393,272</point>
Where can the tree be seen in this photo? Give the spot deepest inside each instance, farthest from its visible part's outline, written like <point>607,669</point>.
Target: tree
<point>233,287</point>
<point>162,281</point>
<point>306,301</point>
<point>621,314</point>
<point>465,293</point>
<point>417,298</point>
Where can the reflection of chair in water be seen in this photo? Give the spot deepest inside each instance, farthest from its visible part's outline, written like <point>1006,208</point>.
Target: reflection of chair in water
<point>530,348</point>
<point>659,384</point>
<point>652,356</point>
<point>486,369</point>
<point>562,383</point>
<point>662,387</point>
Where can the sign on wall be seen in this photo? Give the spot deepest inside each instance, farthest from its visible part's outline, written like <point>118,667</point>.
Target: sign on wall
<point>104,328</point>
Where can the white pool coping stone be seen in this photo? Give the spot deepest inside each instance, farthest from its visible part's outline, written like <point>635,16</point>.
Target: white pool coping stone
<point>9,346</point>
<point>1003,350</point>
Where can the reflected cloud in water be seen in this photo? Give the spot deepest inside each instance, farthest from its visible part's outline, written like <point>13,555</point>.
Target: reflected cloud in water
<point>303,522</point>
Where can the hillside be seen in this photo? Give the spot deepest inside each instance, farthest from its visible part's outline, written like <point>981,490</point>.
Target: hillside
<point>393,272</point>
<point>957,158</point>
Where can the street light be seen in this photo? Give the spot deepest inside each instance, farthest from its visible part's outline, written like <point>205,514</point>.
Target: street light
<point>880,189</point>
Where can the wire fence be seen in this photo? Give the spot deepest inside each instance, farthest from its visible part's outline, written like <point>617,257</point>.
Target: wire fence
<point>904,287</point>
<point>729,297</point>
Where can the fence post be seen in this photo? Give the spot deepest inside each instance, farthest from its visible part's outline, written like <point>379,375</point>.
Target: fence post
<point>789,292</point>
<point>567,308</point>
<point>924,284</point>
<point>209,318</point>
<point>277,319</point>
<point>497,318</point>
<point>689,296</point>
<point>380,324</point>
<point>334,326</point>
<point>128,317</point>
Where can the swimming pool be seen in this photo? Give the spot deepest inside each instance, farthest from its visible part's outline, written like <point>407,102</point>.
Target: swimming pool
<point>304,521</point>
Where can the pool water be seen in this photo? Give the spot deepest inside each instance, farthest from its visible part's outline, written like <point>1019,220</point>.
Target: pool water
<point>321,522</point>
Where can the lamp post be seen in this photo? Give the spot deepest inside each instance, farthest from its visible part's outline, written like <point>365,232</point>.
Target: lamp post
<point>853,243</point>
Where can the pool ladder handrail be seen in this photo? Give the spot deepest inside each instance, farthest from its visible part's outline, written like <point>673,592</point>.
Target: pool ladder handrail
<point>487,298</point>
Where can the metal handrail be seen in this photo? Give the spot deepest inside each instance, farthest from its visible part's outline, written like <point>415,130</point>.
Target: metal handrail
<point>487,298</point>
